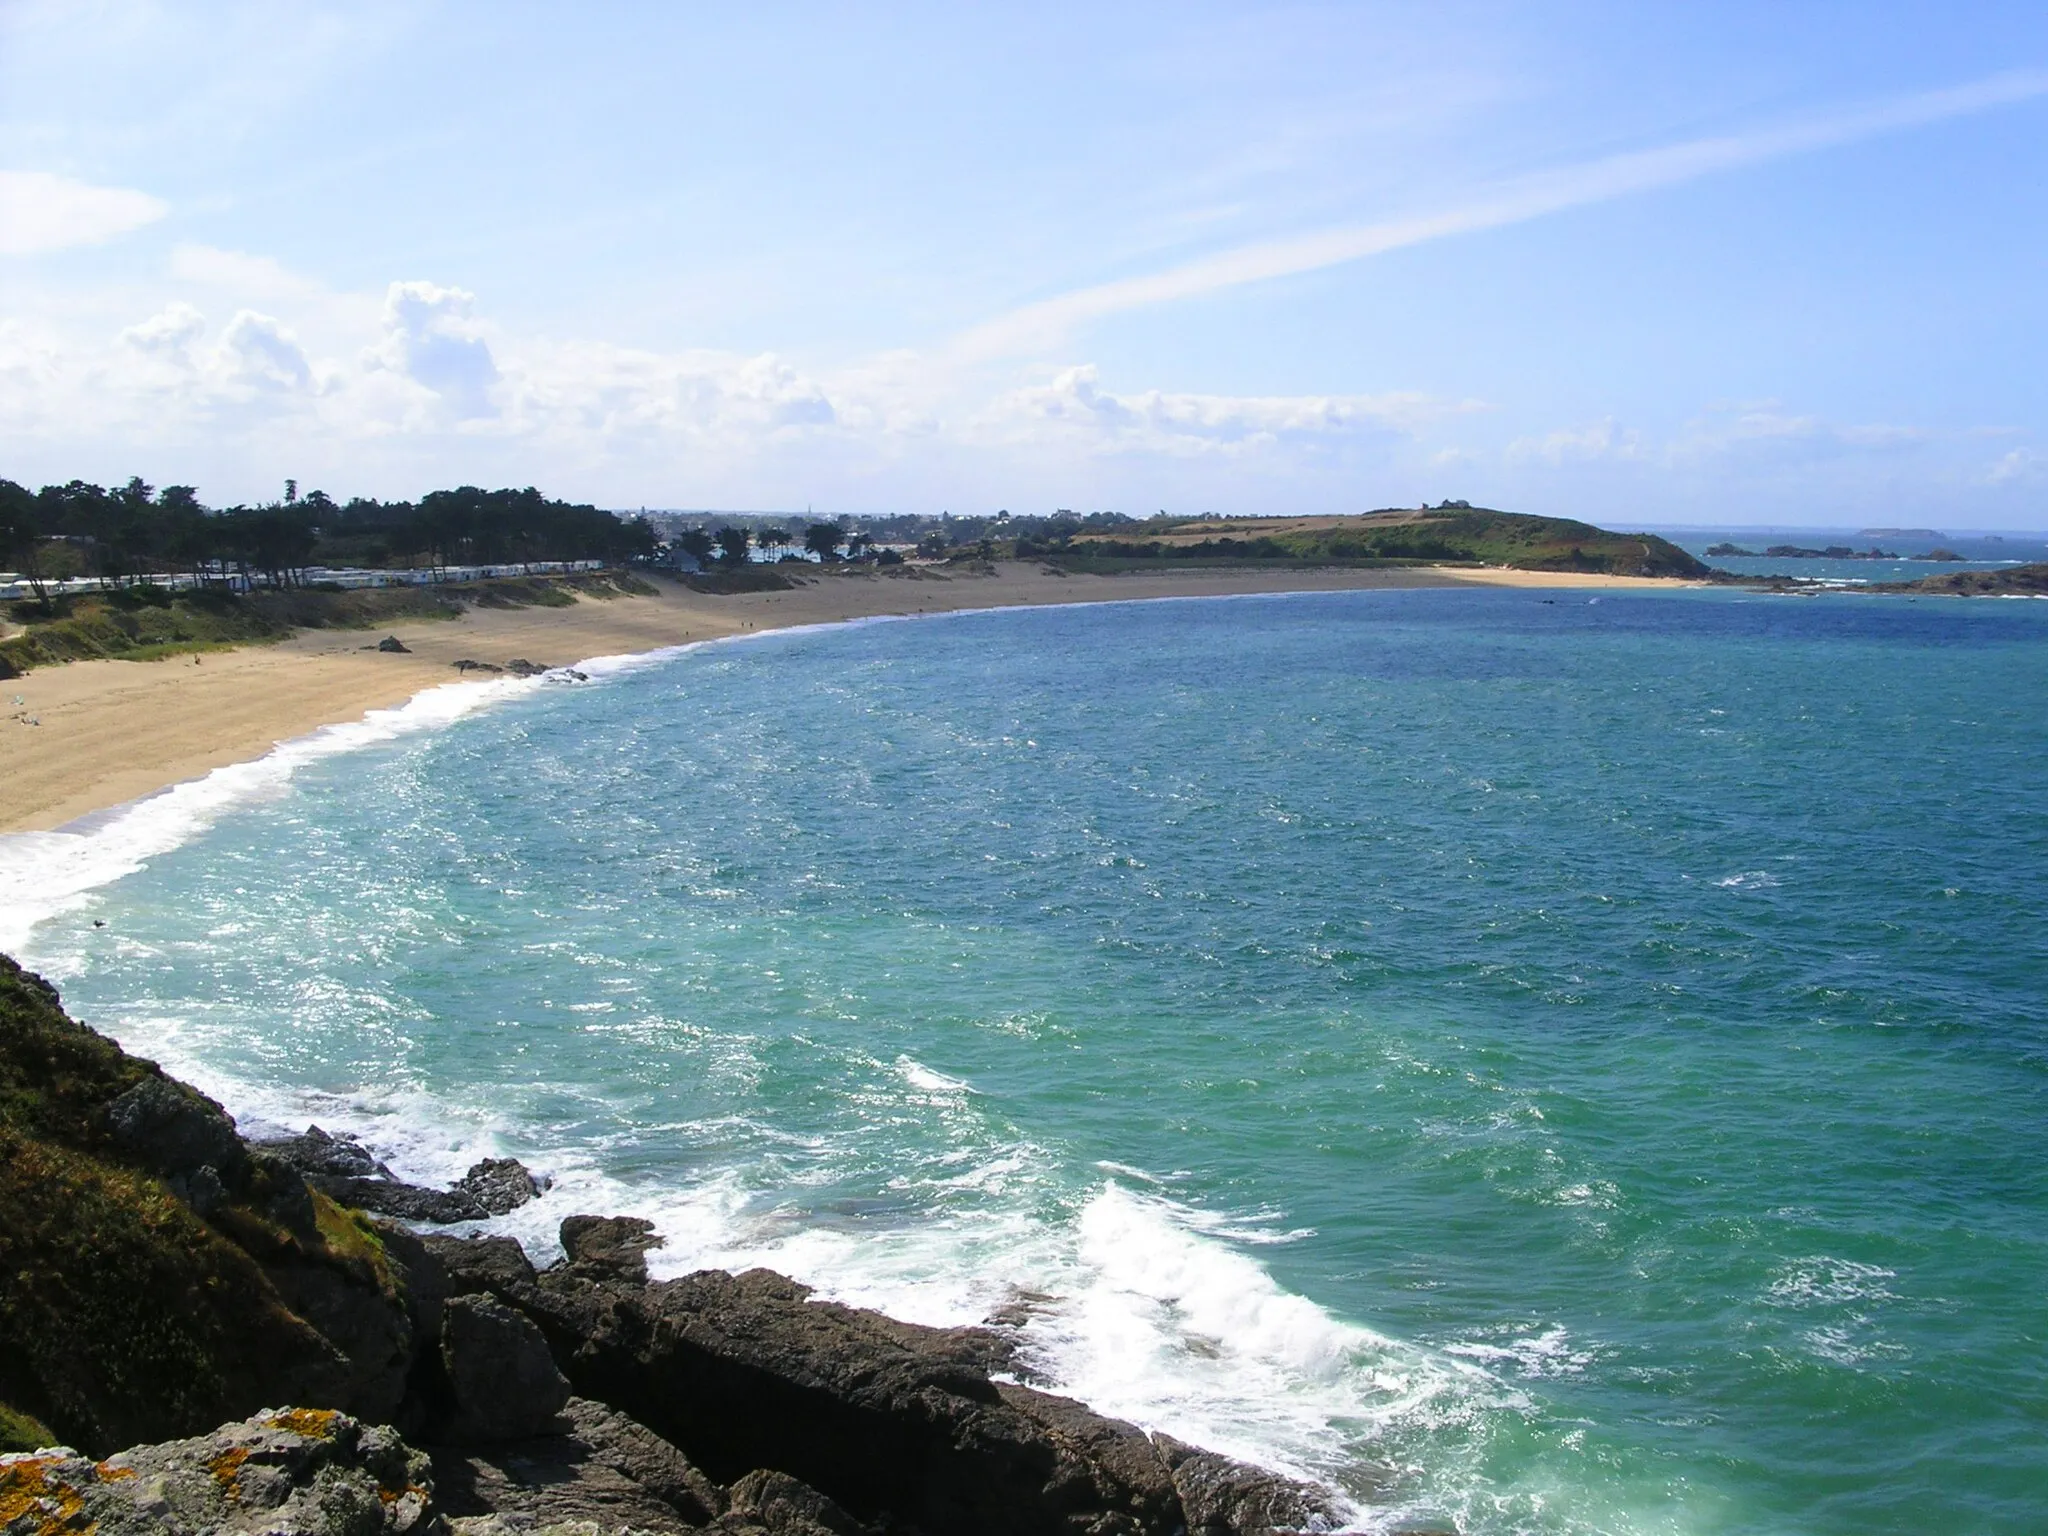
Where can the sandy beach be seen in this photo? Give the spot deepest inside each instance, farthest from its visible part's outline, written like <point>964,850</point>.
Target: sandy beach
<point>91,735</point>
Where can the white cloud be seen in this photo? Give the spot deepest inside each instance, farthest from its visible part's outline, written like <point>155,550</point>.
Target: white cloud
<point>1075,405</point>
<point>1037,325</point>
<point>168,335</point>
<point>2020,467</point>
<point>258,350</point>
<point>430,337</point>
<point>40,212</point>
<point>1601,440</point>
<point>251,279</point>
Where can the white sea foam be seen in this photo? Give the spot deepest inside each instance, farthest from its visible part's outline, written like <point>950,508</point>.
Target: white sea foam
<point>1145,1307</point>
<point>44,874</point>
<point>924,1079</point>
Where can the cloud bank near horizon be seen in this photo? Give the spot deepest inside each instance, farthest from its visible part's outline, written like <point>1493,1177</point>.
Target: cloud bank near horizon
<point>1817,313</point>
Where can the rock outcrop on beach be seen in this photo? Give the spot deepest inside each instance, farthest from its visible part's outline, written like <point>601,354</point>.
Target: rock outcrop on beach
<point>159,1275</point>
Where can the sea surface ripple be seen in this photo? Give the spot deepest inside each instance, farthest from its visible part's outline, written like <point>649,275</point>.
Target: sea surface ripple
<point>1549,1062</point>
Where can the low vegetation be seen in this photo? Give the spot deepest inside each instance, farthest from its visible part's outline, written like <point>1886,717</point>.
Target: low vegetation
<point>142,623</point>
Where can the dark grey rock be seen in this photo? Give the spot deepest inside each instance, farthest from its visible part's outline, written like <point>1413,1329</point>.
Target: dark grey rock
<point>603,1468</point>
<point>176,1130</point>
<point>772,1501</point>
<point>284,1472</point>
<point>1222,1497</point>
<point>407,1202</point>
<point>887,1419</point>
<point>614,1246</point>
<point>501,1378</point>
<point>345,1170</point>
<point>493,1264</point>
<point>499,1185</point>
<point>394,645</point>
<point>315,1152</point>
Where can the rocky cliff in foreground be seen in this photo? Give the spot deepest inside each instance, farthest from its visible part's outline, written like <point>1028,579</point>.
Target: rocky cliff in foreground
<point>274,1360</point>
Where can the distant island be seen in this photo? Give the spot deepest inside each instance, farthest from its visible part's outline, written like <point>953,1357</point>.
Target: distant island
<point>1451,533</point>
<point>1899,533</point>
<point>1726,551</point>
<point>2012,581</point>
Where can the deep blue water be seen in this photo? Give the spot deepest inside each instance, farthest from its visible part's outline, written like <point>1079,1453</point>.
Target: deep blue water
<point>1553,1062</point>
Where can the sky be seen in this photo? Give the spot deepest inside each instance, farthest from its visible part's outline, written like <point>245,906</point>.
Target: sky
<point>1644,264</point>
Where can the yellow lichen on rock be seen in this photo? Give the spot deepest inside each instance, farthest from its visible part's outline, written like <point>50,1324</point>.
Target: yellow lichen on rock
<point>227,1470</point>
<point>306,1423</point>
<point>28,1491</point>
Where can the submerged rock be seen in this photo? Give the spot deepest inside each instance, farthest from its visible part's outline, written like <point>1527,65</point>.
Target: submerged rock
<point>303,1471</point>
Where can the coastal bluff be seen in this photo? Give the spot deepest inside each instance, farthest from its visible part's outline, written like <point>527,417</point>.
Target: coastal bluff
<point>195,1337</point>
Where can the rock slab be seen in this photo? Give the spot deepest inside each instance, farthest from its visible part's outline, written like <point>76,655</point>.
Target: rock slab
<point>303,1471</point>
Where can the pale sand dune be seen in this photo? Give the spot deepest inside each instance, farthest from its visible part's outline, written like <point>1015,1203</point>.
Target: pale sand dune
<point>115,731</point>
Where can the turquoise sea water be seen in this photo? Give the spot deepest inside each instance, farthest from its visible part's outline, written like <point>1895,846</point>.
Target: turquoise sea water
<point>1543,1062</point>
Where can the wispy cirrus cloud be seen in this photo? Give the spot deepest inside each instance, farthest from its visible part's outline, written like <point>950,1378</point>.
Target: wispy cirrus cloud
<point>1047,322</point>
<point>40,212</point>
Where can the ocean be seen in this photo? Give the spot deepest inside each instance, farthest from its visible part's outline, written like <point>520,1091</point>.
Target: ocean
<point>1539,1061</point>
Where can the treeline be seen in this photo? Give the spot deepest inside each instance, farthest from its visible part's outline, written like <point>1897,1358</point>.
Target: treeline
<point>136,531</point>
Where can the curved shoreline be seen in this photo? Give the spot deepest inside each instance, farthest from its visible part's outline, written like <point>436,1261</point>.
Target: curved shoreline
<point>107,734</point>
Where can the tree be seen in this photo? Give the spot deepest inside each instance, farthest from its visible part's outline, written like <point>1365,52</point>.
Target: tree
<point>733,543</point>
<point>824,539</point>
<point>772,539</point>
<point>697,544</point>
<point>21,536</point>
<point>859,544</point>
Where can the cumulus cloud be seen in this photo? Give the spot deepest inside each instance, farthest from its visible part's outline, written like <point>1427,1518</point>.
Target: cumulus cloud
<point>40,212</point>
<point>168,335</point>
<point>257,350</point>
<point>431,338</point>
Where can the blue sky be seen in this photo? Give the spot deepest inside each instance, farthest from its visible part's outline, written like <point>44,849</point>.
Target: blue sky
<point>1644,264</point>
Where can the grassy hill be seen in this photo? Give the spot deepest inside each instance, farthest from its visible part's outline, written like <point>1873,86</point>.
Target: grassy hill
<point>1461,535</point>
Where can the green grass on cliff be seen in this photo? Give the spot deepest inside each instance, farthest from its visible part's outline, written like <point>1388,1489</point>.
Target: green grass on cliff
<point>123,1316</point>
